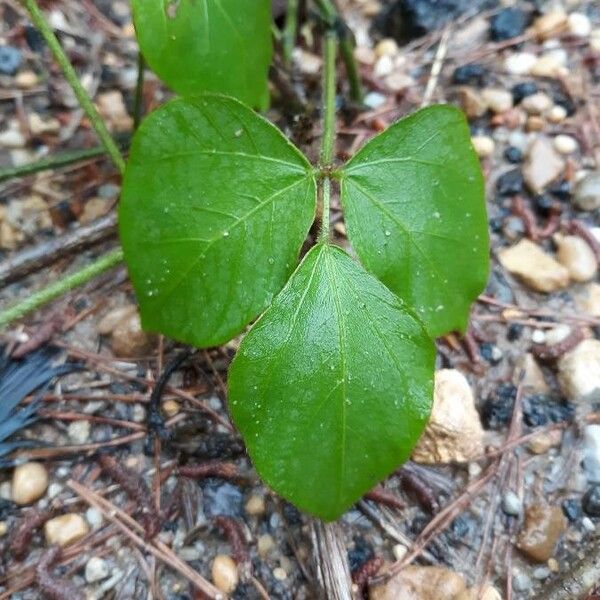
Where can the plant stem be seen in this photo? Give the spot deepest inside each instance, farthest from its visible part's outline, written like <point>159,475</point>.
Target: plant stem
<point>331,15</point>
<point>52,162</point>
<point>289,30</point>
<point>328,139</point>
<point>38,19</point>
<point>139,92</point>
<point>61,287</point>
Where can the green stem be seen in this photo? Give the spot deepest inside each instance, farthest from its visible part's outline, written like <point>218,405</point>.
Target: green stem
<point>332,17</point>
<point>52,162</point>
<point>328,139</point>
<point>60,287</point>
<point>139,92</point>
<point>289,30</point>
<point>38,19</point>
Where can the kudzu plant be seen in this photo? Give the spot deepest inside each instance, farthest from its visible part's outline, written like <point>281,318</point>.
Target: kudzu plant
<point>332,385</point>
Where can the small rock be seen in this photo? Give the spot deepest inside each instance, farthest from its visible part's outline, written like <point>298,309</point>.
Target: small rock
<point>10,60</point>
<point>471,74</point>
<point>398,81</point>
<point>577,256</point>
<point>511,504</point>
<point>508,23</point>
<point>54,489</point>
<point>533,377</point>
<point>112,107</point>
<point>399,551</point>
<point>537,103</point>
<point>498,100</point>
<point>39,126</point>
<point>510,183</point>
<point>279,574</point>
<point>565,144</point>
<point>579,371</point>
<point>588,524</point>
<point>541,531</point>
<point>591,501</point>
<point>386,47</point>
<point>513,154</point>
<point>472,103</point>
<point>553,565</point>
<point>26,80</point>
<point>420,583</point>
<point>550,25</point>
<point>189,553</point>
<point>484,145</point>
<point>222,499</point>
<point>79,432</point>
<point>454,432</point>
<point>255,506</point>
<point>264,545</point>
<point>384,66</point>
<point>170,408</point>
<point>93,209</point>
<point>96,569</point>
<point>12,137</point>
<point>94,517</point>
<point>557,114</point>
<point>66,529</point>
<point>521,581</point>
<point>543,165</point>
<point>523,90</point>
<point>29,483</point>
<point>225,573</point>
<point>538,270</point>
<point>534,123</point>
<point>547,65</point>
<point>579,25</point>
<point>127,336</point>
<point>591,453</point>
<point>3,528</point>
<point>587,192</point>
<point>29,215</point>
<point>588,299</point>
<point>541,573</point>
<point>490,593</point>
<point>374,100</point>
<point>542,442</point>
<point>520,63</point>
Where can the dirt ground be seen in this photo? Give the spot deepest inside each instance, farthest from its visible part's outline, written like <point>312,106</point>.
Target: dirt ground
<point>505,498</point>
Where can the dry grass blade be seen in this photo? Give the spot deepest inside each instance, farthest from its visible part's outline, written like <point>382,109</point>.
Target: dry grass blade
<point>129,526</point>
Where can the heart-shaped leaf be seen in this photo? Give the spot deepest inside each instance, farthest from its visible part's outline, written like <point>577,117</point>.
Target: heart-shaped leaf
<point>413,200</point>
<point>332,386</point>
<point>208,45</point>
<point>216,203</point>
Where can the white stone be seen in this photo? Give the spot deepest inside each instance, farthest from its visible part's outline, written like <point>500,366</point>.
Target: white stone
<point>374,100</point>
<point>454,432</point>
<point>543,164</point>
<point>534,267</point>
<point>587,192</point>
<point>386,47</point>
<point>511,504</point>
<point>94,517</point>
<point>579,25</point>
<point>384,66</point>
<point>557,114</point>
<point>484,145</point>
<point>79,432</point>
<point>96,569</point>
<point>498,100</point>
<point>538,336</point>
<point>579,371</point>
<point>547,65</point>
<point>66,529</point>
<point>225,573</point>
<point>566,144</point>
<point>577,256</point>
<point>557,334</point>
<point>536,104</point>
<point>591,453</point>
<point>520,63</point>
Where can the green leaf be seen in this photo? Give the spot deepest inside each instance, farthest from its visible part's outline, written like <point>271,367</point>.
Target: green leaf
<point>332,386</point>
<point>413,200</point>
<point>215,205</point>
<point>208,45</point>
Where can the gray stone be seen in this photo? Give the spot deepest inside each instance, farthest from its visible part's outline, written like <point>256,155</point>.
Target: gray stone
<point>587,192</point>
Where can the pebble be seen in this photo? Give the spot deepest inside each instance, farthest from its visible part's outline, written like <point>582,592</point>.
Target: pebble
<point>111,106</point>
<point>587,192</point>
<point>96,569</point>
<point>399,551</point>
<point>591,453</point>
<point>93,209</point>
<point>170,408</point>
<point>521,581</point>
<point>588,524</point>
<point>39,126</point>
<point>513,154</point>
<point>550,25</point>
<point>548,65</point>
<point>537,103</point>
<point>222,499</point>
<point>3,528</point>
<point>29,483</point>
<point>127,336</point>
<point>542,442</point>
<point>535,123</point>
<point>26,80</point>
<point>579,25</point>
<point>384,66</point>
<point>520,63</point>
<point>473,74</point>
<point>557,114</point>
<point>10,60</point>
<point>265,544</point>
<point>566,144</point>
<point>79,431</point>
<point>484,145</point>
<point>543,164</point>
<point>534,267</point>
<point>579,370</point>
<point>510,183</point>
<point>591,501</point>
<point>54,489</point>
<point>189,553</point>
<point>225,573</point>
<point>522,90</point>
<point>508,23</point>
<point>374,100</point>
<point>588,299</point>
<point>541,573</point>
<point>255,505</point>
<point>396,82</point>
<point>279,574</point>
<point>66,529</point>
<point>386,47</point>
<point>12,137</point>
<point>420,583</point>
<point>94,517</point>
<point>498,100</point>
<point>541,531</point>
<point>511,504</point>
<point>577,256</point>
<point>533,377</point>
<point>454,432</point>
<point>472,103</point>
